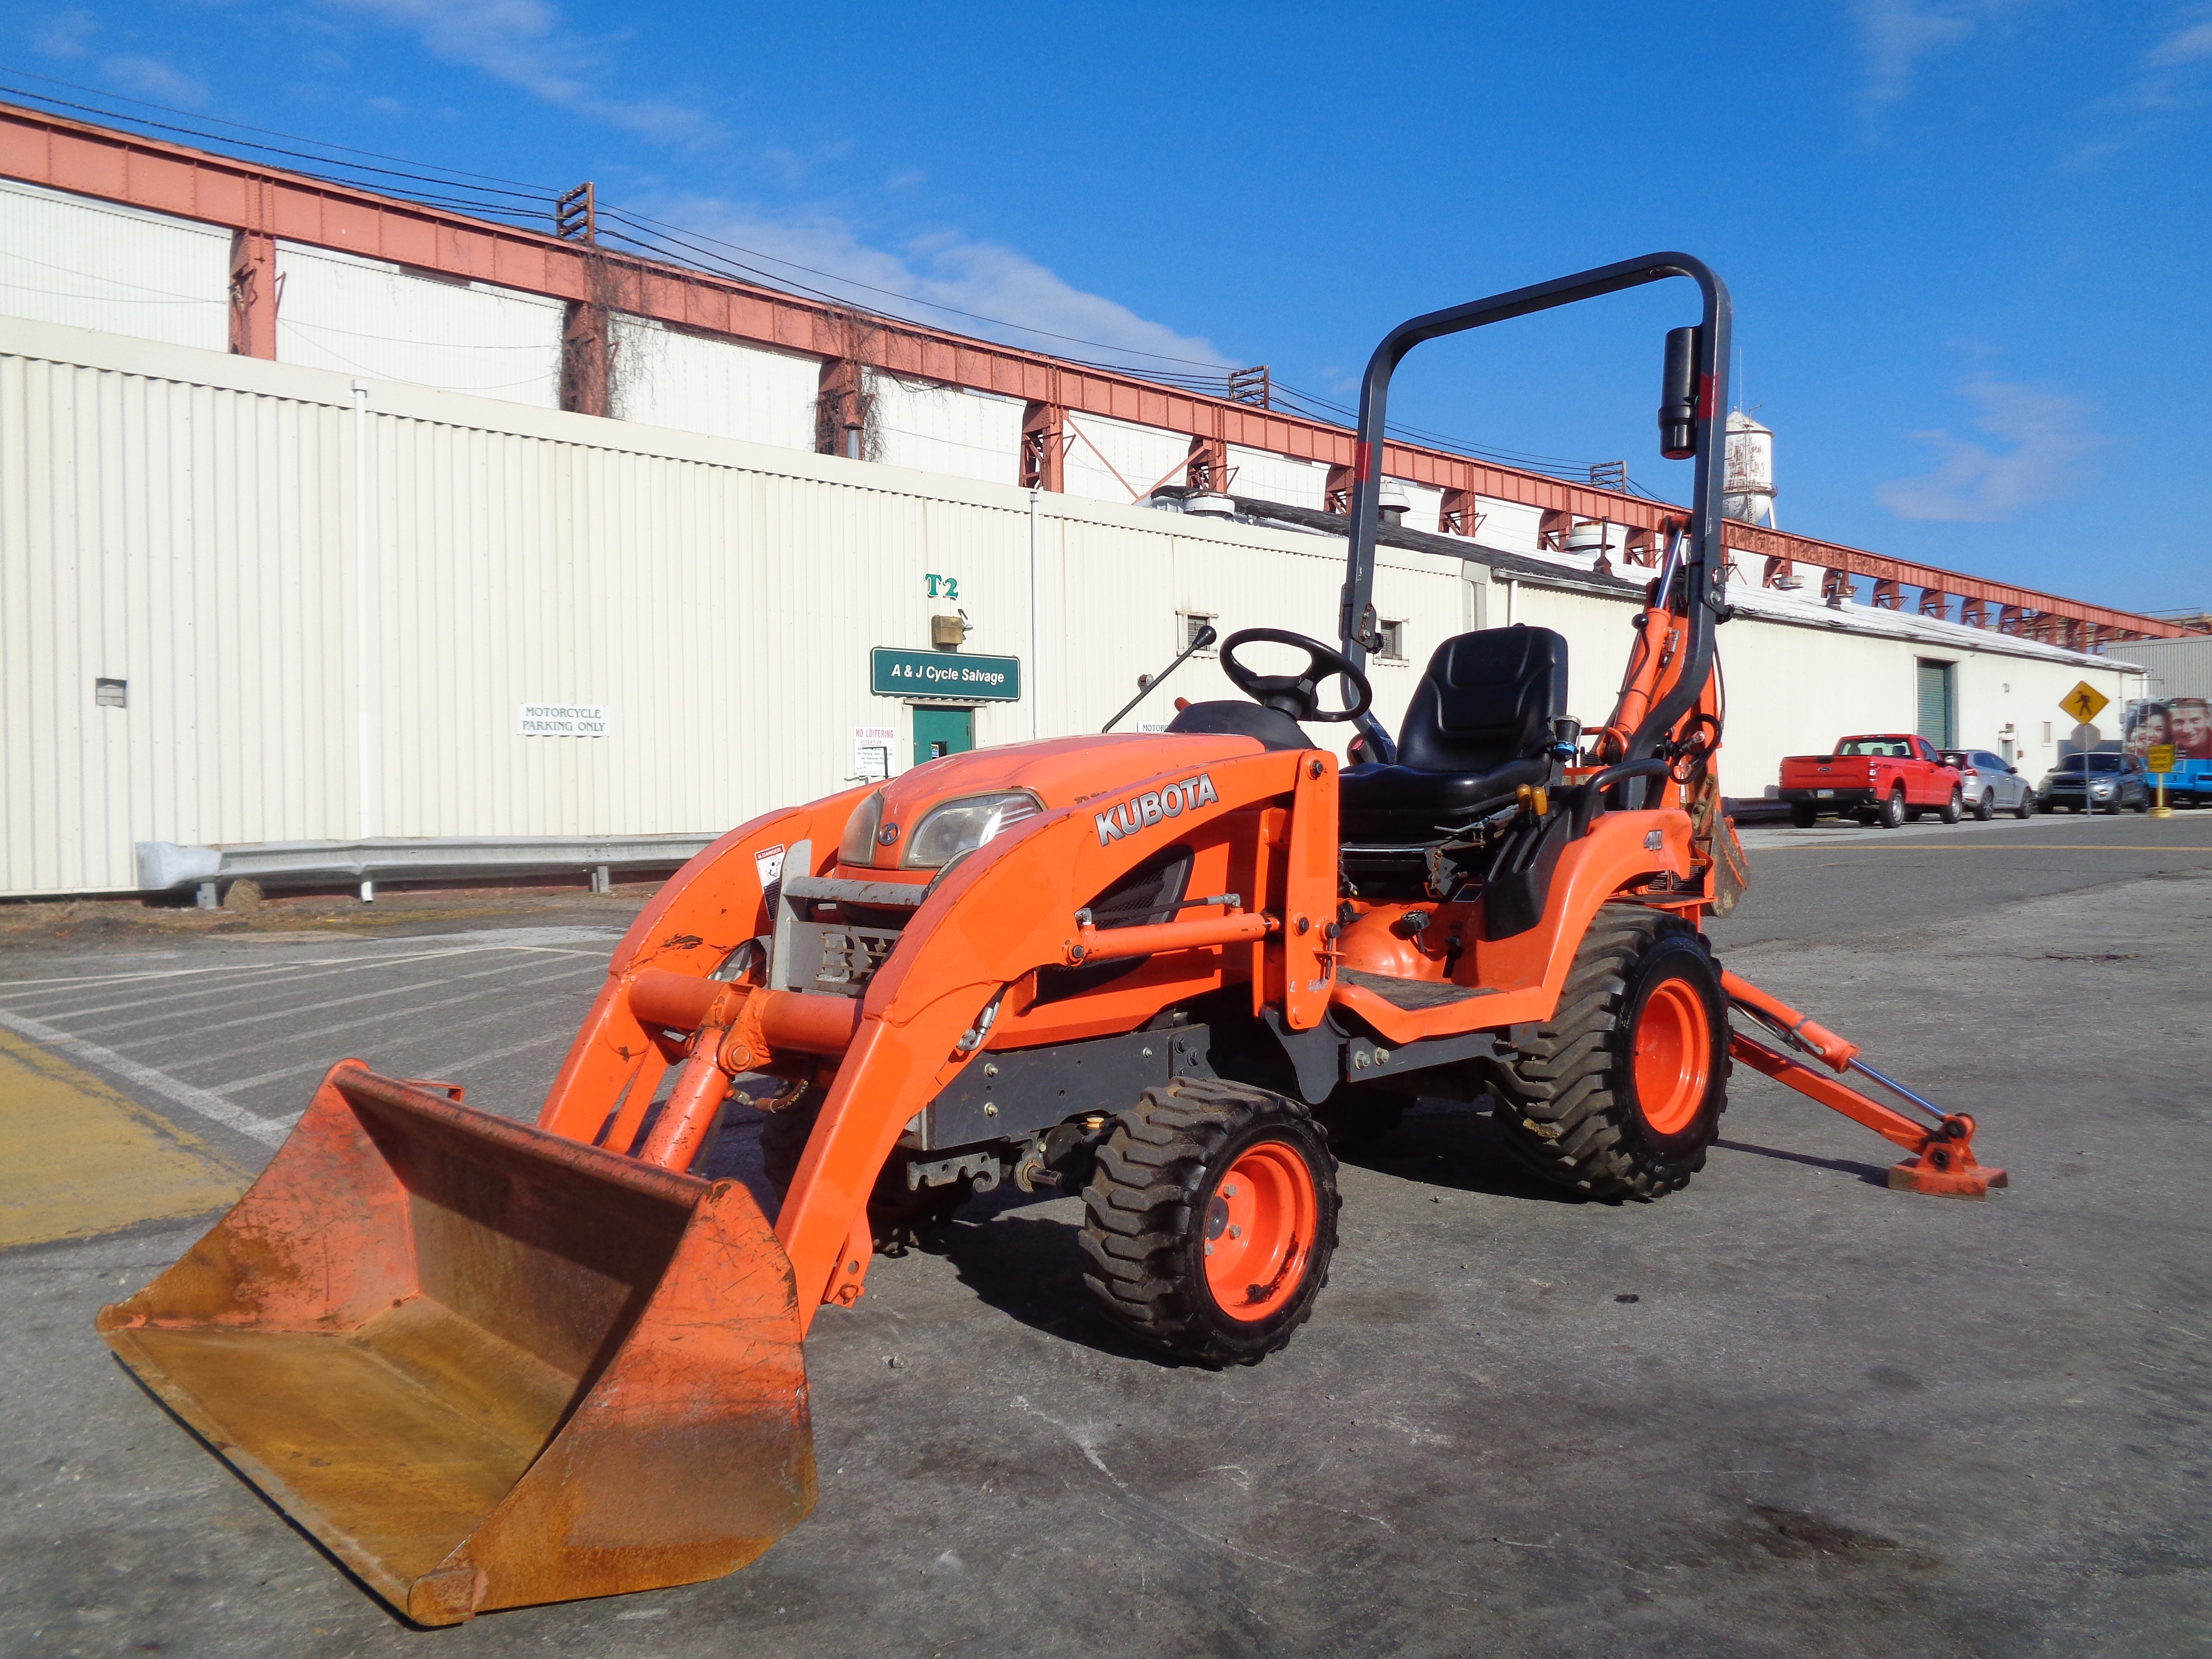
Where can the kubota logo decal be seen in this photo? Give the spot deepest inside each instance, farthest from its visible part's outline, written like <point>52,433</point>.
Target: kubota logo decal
<point>1149,808</point>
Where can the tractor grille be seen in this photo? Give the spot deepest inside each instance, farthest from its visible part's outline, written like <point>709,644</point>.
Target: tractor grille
<point>832,935</point>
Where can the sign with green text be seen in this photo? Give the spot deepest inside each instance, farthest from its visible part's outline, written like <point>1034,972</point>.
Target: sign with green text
<point>943,676</point>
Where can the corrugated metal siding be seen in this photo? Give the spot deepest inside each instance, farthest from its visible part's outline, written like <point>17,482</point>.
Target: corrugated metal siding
<point>1271,477</point>
<point>185,521</point>
<point>182,539</point>
<point>1509,526</point>
<point>1110,460</point>
<point>1424,505</point>
<point>948,429</point>
<point>87,264</point>
<point>367,317</point>
<point>2178,668</point>
<point>666,377</point>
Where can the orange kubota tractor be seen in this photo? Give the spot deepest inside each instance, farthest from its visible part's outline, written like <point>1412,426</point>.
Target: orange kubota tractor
<point>487,1364</point>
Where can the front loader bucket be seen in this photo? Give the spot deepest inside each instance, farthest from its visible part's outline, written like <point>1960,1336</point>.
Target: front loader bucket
<point>484,1365</point>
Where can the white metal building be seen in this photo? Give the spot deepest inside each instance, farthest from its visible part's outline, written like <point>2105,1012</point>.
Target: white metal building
<point>245,601</point>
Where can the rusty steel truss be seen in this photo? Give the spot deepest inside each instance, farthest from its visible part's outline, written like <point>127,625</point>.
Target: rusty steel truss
<point>259,204</point>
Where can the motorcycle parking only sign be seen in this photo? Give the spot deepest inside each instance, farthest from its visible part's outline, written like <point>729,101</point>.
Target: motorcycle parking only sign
<point>560,719</point>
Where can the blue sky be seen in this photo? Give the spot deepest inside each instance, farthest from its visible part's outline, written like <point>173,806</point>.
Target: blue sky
<point>1967,238</point>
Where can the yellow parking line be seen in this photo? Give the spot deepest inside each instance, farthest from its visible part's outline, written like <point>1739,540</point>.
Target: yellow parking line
<point>82,1159</point>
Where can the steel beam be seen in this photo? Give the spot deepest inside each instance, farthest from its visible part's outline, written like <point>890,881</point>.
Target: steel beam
<point>1044,447</point>
<point>252,294</point>
<point>113,166</point>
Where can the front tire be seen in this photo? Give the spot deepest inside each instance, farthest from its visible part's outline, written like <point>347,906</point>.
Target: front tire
<point>1893,809</point>
<point>1621,1091</point>
<point>1210,1219</point>
<point>2025,810</point>
<point>1952,810</point>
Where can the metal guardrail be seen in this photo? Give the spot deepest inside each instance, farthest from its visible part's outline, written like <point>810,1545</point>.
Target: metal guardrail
<point>168,867</point>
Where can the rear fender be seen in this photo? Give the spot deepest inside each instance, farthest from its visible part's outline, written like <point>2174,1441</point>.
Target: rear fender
<point>1529,970</point>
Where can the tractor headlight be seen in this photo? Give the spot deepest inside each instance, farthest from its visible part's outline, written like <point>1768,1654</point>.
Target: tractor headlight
<point>859,846</point>
<point>962,826</point>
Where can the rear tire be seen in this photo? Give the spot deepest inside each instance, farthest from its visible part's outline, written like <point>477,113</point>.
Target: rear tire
<point>1803,813</point>
<point>1621,1091</point>
<point>1210,1220</point>
<point>1986,807</point>
<point>1893,809</point>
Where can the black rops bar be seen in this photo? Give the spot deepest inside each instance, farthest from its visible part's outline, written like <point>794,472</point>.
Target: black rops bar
<point>1694,405</point>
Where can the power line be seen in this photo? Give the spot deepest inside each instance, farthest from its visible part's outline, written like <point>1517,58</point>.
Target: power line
<point>655,236</point>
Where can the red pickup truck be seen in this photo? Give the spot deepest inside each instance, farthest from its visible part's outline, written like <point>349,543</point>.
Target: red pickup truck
<point>1885,779</point>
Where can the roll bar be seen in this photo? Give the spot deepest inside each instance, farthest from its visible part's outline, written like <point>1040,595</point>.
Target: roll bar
<point>1699,594</point>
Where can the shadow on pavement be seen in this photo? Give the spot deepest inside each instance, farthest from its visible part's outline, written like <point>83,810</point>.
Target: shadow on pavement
<point>1866,1172</point>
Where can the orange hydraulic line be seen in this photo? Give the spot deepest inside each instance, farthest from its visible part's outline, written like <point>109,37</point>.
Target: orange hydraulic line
<point>1091,944</point>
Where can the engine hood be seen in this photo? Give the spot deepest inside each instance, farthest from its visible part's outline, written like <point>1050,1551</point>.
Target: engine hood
<point>1058,771</point>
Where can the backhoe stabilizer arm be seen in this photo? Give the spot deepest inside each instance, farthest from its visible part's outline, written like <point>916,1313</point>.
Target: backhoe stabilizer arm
<point>1943,1163</point>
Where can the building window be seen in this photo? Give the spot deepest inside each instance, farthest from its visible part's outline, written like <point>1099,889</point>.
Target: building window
<point>1393,646</point>
<point>1191,622</point>
<point>111,694</point>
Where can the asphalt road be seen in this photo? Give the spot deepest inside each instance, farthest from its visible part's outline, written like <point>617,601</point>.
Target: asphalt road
<point>1786,1412</point>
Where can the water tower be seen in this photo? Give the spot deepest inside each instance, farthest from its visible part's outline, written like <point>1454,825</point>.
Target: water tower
<point>1748,490</point>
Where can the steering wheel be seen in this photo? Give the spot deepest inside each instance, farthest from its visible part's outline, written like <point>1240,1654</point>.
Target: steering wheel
<point>1297,695</point>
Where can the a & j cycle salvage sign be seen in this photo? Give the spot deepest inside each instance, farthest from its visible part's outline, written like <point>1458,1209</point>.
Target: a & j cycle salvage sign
<point>943,676</point>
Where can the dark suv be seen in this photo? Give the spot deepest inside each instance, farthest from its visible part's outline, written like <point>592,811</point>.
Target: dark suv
<point>2113,781</point>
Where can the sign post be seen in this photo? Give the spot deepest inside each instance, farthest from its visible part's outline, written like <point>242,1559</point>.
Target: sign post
<point>2161,762</point>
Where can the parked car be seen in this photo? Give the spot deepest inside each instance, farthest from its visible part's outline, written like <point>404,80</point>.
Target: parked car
<point>1882,778</point>
<point>2113,781</point>
<point>1991,783</point>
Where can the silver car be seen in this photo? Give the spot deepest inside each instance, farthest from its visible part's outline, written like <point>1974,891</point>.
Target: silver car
<point>1991,784</point>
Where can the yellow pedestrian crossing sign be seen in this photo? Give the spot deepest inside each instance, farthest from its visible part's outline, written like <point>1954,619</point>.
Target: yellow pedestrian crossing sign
<point>2084,703</point>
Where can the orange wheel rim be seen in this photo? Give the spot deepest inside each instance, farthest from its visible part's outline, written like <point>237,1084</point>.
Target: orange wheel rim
<point>1674,1057</point>
<point>1260,1231</point>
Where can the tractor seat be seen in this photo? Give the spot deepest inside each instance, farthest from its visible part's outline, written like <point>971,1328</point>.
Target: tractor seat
<point>1479,726</point>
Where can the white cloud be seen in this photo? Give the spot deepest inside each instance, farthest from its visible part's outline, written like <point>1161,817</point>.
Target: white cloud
<point>947,270</point>
<point>526,43</point>
<point>2192,45</point>
<point>152,78</point>
<point>63,34</point>
<point>1896,35</point>
<point>2043,436</point>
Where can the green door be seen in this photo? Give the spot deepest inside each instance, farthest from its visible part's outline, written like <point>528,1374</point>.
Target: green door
<point>942,732</point>
<point>1938,706</point>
